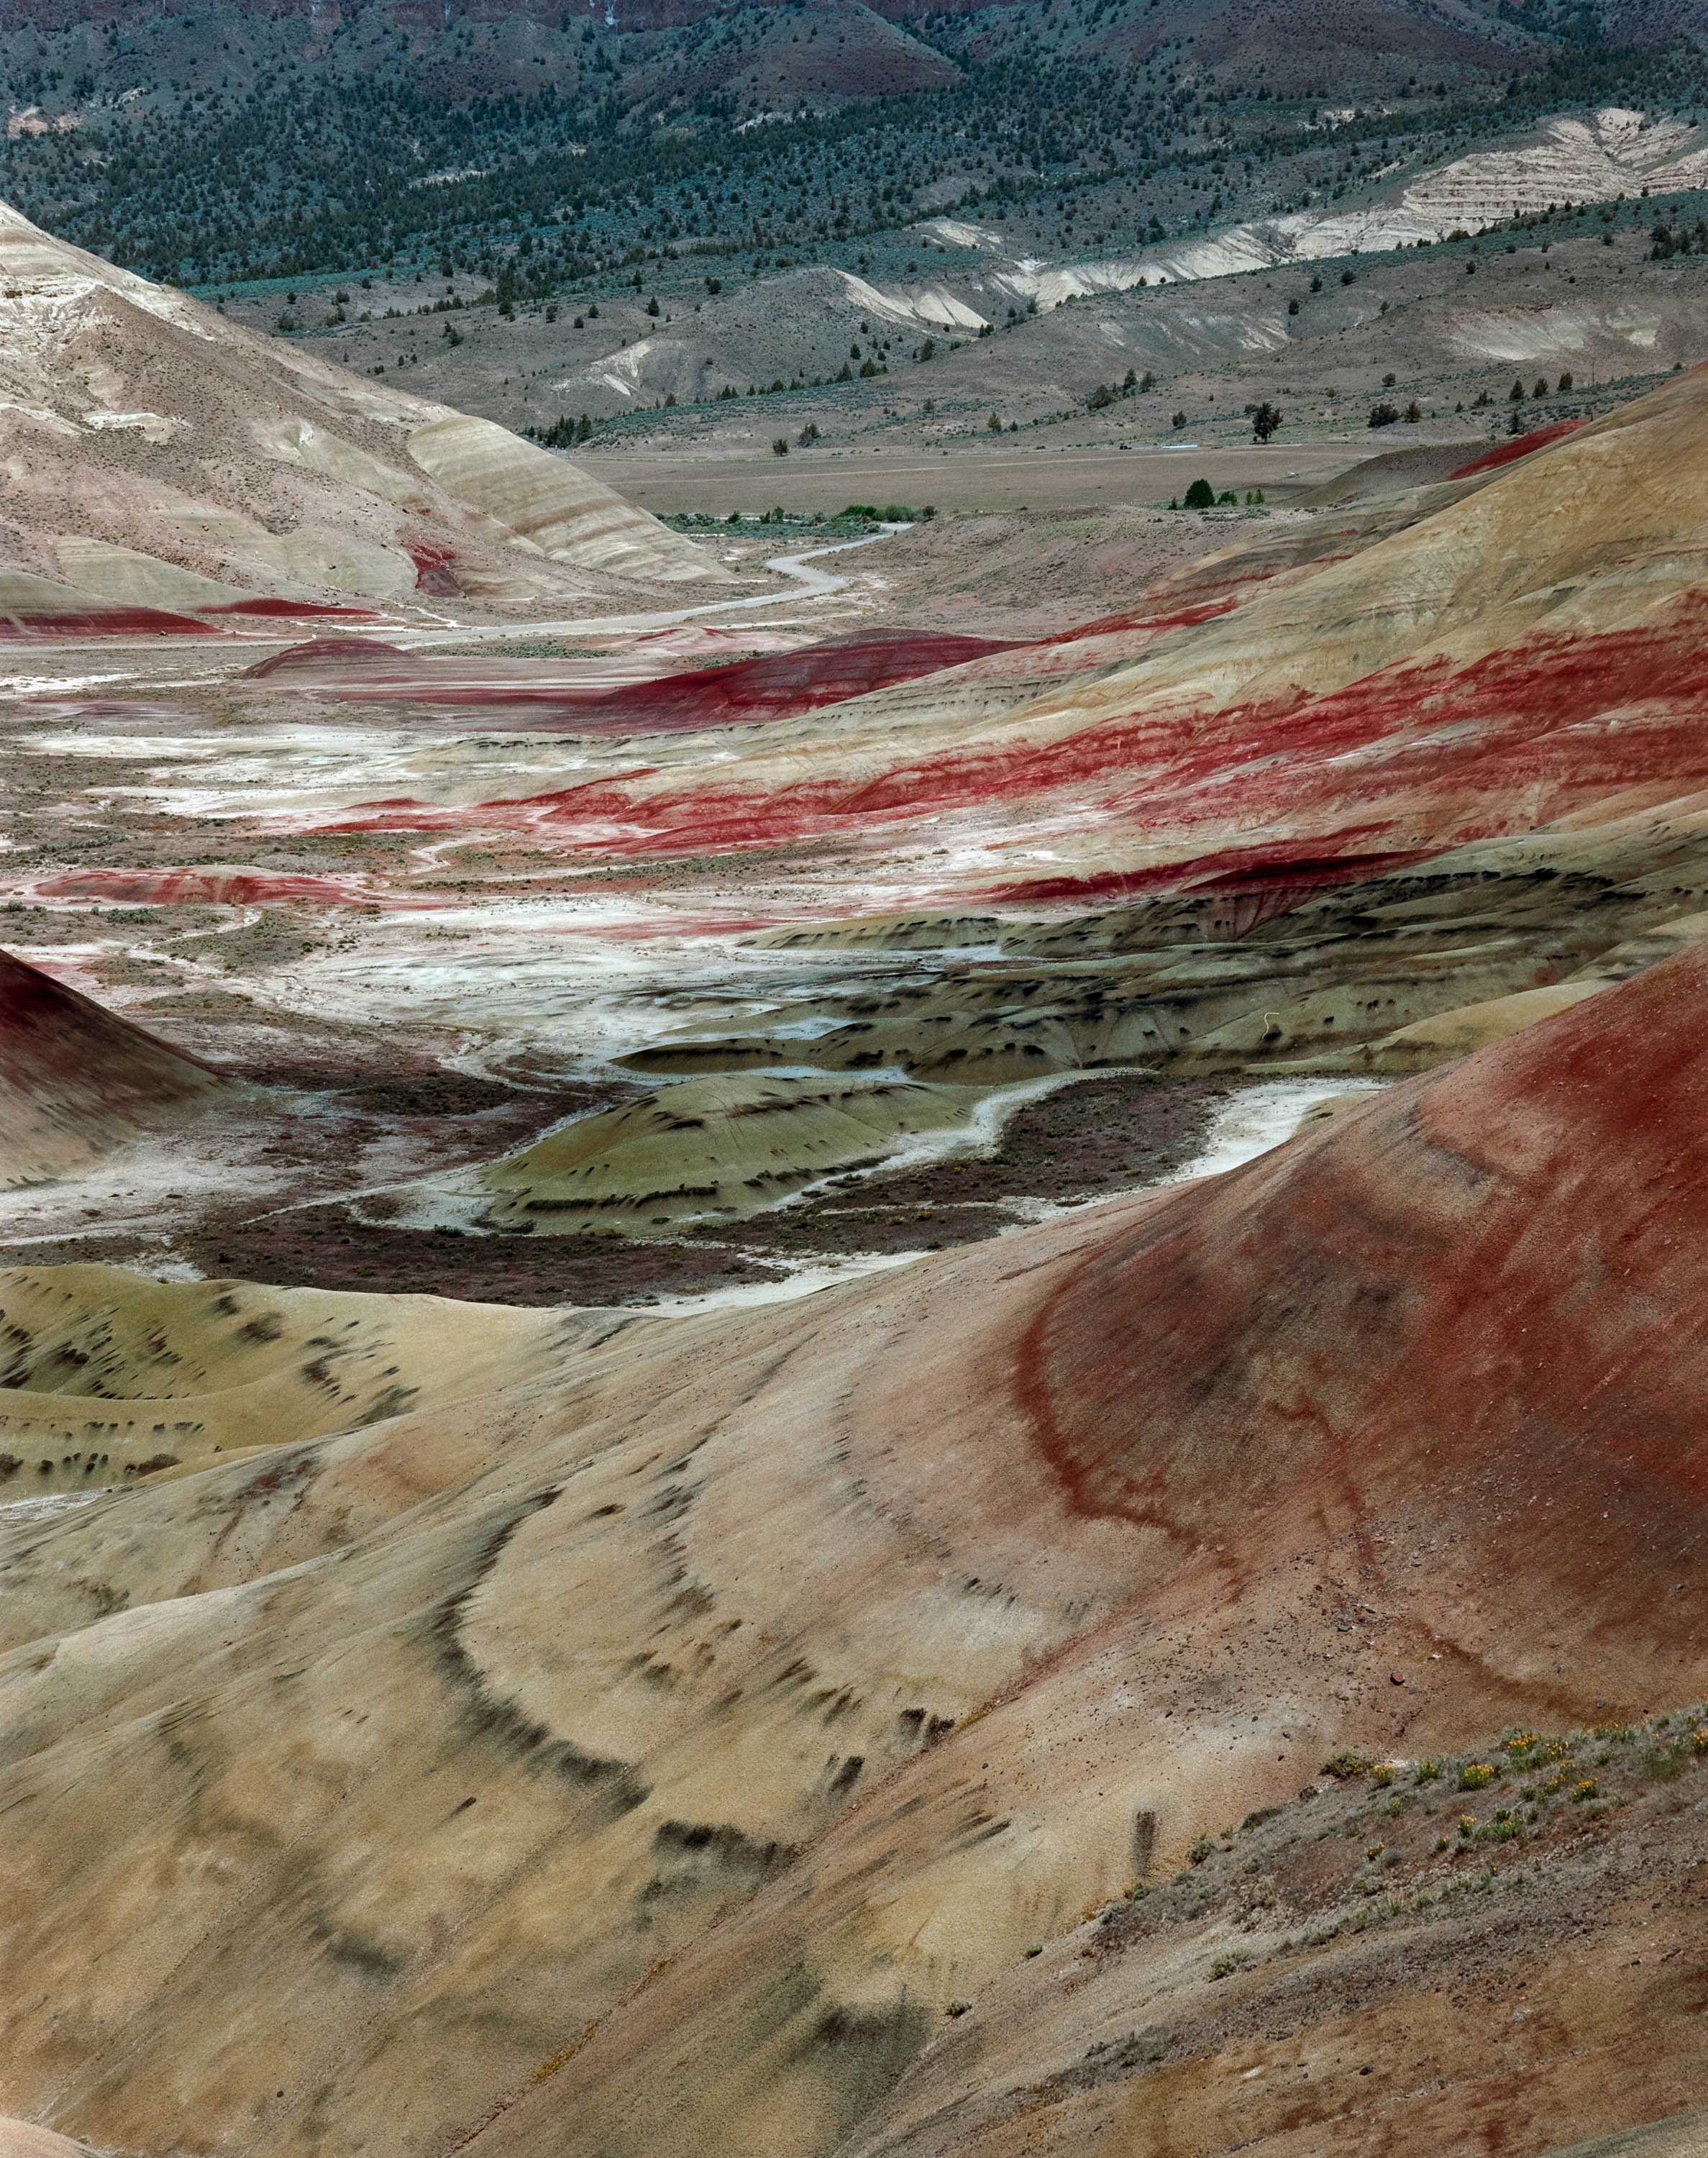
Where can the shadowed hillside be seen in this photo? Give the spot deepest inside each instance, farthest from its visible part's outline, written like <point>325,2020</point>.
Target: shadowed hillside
<point>75,1081</point>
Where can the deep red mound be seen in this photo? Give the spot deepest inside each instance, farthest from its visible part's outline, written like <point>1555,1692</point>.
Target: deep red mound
<point>71,1059</point>
<point>1476,1302</point>
<point>321,652</point>
<point>291,610</point>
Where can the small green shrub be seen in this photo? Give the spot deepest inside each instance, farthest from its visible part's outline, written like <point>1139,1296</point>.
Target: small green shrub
<point>1235,1960</point>
<point>1475,1775</point>
<point>1345,1765</point>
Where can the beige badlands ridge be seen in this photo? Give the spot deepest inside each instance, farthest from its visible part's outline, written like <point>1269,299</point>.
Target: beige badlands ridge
<point>23,2139</point>
<point>156,456</point>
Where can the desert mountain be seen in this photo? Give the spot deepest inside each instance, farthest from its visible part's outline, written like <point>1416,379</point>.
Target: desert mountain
<point>166,468</point>
<point>518,146</point>
<point>680,49</point>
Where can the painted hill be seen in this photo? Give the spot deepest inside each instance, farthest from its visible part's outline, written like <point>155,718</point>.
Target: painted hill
<point>1351,1331</point>
<point>713,1148</point>
<point>1551,612</point>
<point>169,469</point>
<point>76,1080</point>
<point>660,1747</point>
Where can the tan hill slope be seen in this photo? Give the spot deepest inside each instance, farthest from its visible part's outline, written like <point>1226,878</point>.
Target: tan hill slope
<point>897,1632</point>
<point>109,1377</point>
<point>160,458</point>
<point>23,2139</point>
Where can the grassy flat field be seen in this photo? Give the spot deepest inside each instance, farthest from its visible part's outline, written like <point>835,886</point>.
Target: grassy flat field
<point>965,479</point>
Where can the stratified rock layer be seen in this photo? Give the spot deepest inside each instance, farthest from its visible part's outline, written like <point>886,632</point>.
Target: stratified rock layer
<point>166,467</point>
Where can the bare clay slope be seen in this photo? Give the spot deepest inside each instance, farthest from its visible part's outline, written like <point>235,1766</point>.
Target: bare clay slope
<point>897,1631</point>
<point>1427,1368</point>
<point>166,468</point>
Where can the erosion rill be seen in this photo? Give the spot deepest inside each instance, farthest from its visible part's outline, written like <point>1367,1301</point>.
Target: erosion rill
<point>777,1384</point>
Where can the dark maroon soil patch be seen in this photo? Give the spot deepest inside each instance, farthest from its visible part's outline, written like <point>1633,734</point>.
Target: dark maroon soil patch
<point>1103,1135</point>
<point>323,1247</point>
<point>450,1094</point>
<point>1091,1140</point>
<point>436,1092</point>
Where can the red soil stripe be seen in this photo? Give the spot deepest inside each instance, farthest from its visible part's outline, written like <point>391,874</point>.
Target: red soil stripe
<point>1417,756</point>
<point>291,610</point>
<point>1520,447</point>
